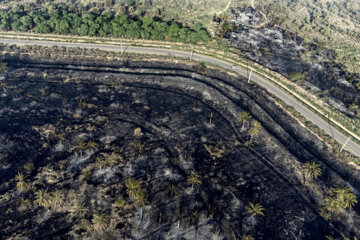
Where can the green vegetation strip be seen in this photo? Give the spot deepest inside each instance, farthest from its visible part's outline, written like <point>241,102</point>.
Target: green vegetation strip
<point>106,24</point>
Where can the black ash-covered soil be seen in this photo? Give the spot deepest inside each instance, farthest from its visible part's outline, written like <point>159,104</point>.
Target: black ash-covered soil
<point>50,108</point>
<point>284,52</point>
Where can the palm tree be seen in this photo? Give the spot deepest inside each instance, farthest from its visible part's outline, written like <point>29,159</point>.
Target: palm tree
<point>42,198</point>
<point>99,222</point>
<point>193,217</point>
<point>138,133</point>
<point>312,169</point>
<point>254,210</point>
<point>24,203</point>
<point>111,159</point>
<point>83,224</point>
<point>91,144</point>
<point>139,147</point>
<point>120,202</point>
<point>247,237</point>
<point>254,130</point>
<point>22,181</point>
<point>57,199</point>
<point>194,180</point>
<point>100,162</point>
<point>339,199</point>
<point>78,209</point>
<point>28,167</point>
<point>139,198</point>
<point>172,190</point>
<point>132,187</point>
<point>329,237</point>
<point>179,216</point>
<point>243,117</point>
<point>81,146</point>
<point>3,67</point>
<point>211,116</point>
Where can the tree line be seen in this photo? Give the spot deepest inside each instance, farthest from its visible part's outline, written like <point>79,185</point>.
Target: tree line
<point>106,24</point>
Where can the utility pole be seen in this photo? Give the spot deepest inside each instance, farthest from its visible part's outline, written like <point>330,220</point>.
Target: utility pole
<point>247,68</point>
<point>192,52</point>
<point>121,47</point>
<point>18,38</point>
<point>332,133</point>
<point>250,76</point>
<point>344,145</point>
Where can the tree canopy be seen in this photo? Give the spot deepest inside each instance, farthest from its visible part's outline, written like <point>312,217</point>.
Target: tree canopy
<point>90,24</point>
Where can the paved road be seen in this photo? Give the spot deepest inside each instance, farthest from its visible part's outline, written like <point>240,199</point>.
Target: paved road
<point>341,138</point>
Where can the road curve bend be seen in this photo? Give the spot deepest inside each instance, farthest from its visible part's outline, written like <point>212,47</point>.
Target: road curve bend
<point>351,146</point>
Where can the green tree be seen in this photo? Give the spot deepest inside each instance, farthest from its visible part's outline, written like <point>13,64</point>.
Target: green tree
<point>17,8</point>
<point>146,22</point>
<point>83,30</point>
<point>5,20</point>
<point>183,33</point>
<point>15,23</point>
<point>174,30</point>
<point>43,27</point>
<point>129,2</point>
<point>26,22</point>
<point>64,27</point>
<point>88,19</point>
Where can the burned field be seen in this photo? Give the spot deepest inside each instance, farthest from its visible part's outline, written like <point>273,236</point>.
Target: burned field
<point>132,149</point>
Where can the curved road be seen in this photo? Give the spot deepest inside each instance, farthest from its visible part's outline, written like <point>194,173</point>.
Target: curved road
<point>309,115</point>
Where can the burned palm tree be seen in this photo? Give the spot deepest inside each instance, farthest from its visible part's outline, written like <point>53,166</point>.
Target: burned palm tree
<point>133,187</point>
<point>99,222</point>
<point>339,199</point>
<point>194,180</point>
<point>255,209</point>
<point>22,181</point>
<point>242,118</point>
<point>42,198</point>
<point>312,170</point>
<point>254,130</point>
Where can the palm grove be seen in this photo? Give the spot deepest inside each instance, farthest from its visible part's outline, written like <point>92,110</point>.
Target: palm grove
<point>105,24</point>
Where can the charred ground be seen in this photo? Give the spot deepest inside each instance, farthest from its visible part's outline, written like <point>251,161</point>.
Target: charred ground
<point>89,126</point>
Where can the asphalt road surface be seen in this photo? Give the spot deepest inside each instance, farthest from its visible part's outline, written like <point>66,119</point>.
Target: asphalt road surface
<point>271,87</point>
